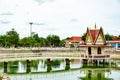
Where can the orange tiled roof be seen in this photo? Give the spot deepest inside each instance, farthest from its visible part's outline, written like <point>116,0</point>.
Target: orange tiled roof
<point>74,39</point>
<point>94,33</point>
<point>115,38</point>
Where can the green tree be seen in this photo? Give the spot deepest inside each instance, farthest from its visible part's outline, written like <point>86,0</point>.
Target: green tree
<point>53,40</point>
<point>119,36</point>
<point>43,42</point>
<point>62,42</point>
<point>108,37</point>
<point>12,37</point>
<point>84,36</point>
<point>27,42</point>
<point>3,41</point>
<point>36,37</point>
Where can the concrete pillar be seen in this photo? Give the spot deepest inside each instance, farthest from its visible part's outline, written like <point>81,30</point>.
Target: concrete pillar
<point>5,66</point>
<point>98,63</point>
<point>116,45</point>
<point>28,66</point>
<point>103,62</point>
<point>85,61</point>
<point>49,65</point>
<point>110,63</point>
<point>67,67</point>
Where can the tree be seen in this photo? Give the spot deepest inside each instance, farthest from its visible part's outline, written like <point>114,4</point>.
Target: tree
<point>119,36</point>
<point>84,36</point>
<point>62,42</point>
<point>108,37</point>
<point>53,40</point>
<point>12,37</point>
<point>36,37</point>
<point>3,40</point>
<point>27,42</point>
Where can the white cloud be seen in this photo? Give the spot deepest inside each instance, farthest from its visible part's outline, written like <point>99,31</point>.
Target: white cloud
<point>57,16</point>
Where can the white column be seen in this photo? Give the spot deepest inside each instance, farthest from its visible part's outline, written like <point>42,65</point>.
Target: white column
<point>109,62</point>
<point>116,45</point>
<point>98,63</point>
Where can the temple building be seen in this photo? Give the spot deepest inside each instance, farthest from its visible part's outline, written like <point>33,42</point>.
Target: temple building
<point>74,41</point>
<point>94,45</point>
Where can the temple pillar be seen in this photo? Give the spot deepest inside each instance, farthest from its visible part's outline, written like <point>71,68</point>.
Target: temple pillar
<point>28,66</point>
<point>5,66</point>
<point>98,63</point>
<point>49,65</point>
<point>103,62</point>
<point>67,67</point>
<point>116,45</point>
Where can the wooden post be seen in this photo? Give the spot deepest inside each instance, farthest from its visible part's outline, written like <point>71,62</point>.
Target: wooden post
<point>5,66</point>
<point>98,63</point>
<point>110,63</point>
<point>28,66</point>
<point>103,62</point>
<point>67,67</point>
<point>49,65</point>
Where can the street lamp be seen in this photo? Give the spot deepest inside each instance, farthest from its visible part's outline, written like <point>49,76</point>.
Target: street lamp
<point>31,28</point>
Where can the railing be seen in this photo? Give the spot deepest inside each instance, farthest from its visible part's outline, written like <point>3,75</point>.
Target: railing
<point>34,56</point>
<point>19,55</point>
<point>99,56</point>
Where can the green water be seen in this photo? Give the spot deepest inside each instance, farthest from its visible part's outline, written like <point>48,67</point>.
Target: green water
<point>39,70</point>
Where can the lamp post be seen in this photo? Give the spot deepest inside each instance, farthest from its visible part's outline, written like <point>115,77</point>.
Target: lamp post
<point>31,28</point>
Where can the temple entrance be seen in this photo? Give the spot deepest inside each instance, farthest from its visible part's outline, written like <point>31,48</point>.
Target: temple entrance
<point>89,50</point>
<point>99,50</point>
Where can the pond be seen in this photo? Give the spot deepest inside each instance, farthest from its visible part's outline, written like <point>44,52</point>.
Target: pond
<point>59,70</point>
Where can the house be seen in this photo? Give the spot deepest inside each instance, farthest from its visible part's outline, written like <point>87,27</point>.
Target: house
<point>74,41</point>
<point>115,43</point>
<point>95,44</point>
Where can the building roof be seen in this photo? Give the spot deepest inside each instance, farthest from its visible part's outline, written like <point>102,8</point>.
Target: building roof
<point>74,39</point>
<point>115,38</point>
<point>94,33</point>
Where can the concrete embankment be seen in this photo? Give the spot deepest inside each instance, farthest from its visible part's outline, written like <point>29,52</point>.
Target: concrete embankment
<point>4,76</point>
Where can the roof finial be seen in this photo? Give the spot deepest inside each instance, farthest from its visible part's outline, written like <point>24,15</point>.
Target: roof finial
<point>95,26</point>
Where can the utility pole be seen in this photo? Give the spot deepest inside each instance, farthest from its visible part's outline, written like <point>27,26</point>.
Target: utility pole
<point>31,28</point>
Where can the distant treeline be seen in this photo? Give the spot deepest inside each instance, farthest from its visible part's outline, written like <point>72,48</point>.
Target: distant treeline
<point>12,39</point>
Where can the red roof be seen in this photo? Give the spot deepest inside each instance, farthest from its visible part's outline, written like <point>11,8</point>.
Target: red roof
<point>74,39</point>
<point>115,38</point>
<point>94,33</point>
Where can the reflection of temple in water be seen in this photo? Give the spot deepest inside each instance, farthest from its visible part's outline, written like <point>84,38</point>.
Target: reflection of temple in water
<point>94,74</point>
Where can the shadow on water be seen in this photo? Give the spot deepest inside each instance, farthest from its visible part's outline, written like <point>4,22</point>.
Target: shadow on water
<point>44,69</point>
<point>12,67</point>
<point>93,74</point>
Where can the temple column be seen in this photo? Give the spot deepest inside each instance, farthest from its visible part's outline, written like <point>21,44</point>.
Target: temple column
<point>28,66</point>
<point>116,45</point>
<point>67,67</point>
<point>49,65</point>
<point>5,66</point>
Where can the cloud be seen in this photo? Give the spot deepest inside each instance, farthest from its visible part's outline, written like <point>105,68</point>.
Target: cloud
<point>6,13</point>
<point>74,20</point>
<point>5,22</point>
<point>40,2</point>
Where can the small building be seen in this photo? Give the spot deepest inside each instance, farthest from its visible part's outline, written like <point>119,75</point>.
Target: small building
<point>74,41</point>
<point>95,44</point>
<point>115,43</point>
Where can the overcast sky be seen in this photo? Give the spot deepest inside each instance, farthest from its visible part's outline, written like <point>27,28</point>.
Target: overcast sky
<point>64,18</point>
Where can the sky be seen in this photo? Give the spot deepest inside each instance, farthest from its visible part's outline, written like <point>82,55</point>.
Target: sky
<point>64,18</point>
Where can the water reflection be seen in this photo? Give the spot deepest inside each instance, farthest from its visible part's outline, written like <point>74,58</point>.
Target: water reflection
<point>93,74</point>
<point>37,70</point>
<point>39,65</point>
